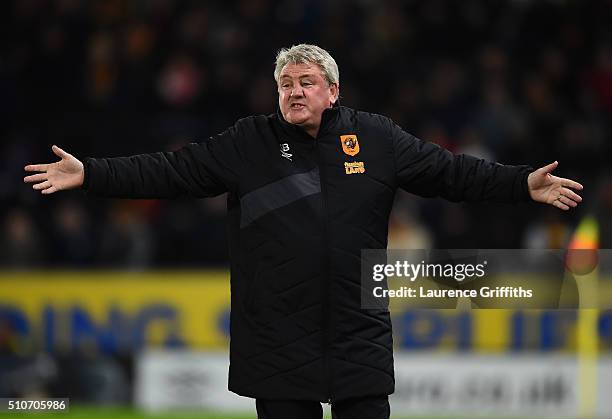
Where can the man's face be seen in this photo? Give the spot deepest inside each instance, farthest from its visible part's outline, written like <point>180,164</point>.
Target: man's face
<point>303,95</point>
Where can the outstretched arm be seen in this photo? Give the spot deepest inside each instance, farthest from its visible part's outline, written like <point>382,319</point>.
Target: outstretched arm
<point>549,189</point>
<point>68,173</point>
<point>197,170</point>
<point>428,170</point>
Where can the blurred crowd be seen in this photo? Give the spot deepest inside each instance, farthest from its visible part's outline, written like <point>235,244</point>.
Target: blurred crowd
<point>519,82</point>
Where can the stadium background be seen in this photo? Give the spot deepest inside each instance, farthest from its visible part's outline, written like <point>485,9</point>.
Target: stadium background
<point>87,284</point>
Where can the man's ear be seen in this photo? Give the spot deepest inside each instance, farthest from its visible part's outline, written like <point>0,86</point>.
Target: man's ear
<point>334,90</point>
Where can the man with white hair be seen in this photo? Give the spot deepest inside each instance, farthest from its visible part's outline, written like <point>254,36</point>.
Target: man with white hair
<point>308,188</point>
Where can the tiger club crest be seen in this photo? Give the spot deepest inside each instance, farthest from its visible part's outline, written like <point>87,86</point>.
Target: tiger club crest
<point>350,145</point>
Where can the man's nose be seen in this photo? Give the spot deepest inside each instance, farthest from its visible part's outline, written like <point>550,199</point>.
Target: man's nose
<point>297,91</point>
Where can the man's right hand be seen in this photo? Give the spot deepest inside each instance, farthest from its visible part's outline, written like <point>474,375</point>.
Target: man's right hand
<point>68,173</point>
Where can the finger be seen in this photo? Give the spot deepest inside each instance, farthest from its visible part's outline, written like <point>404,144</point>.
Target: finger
<point>35,178</point>
<point>571,194</point>
<point>560,205</point>
<point>59,152</point>
<point>50,190</point>
<point>567,201</point>
<point>36,167</point>
<point>44,185</point>
<point>550,167</point>
<point>568,183</point>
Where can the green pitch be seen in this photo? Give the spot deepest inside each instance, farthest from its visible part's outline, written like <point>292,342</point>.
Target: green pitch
<point>122,413</point>
<point>130,413</point>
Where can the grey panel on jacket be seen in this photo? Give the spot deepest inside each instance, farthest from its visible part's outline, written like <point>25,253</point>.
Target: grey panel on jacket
<point>278,194</point>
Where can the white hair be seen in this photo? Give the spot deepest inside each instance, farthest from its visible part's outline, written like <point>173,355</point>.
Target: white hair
<point>308,54</point>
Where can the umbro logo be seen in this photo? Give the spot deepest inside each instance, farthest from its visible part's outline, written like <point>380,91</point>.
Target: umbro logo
<point>284,150</point>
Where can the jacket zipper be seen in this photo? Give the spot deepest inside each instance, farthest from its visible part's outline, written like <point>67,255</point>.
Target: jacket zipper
<point>325,278</point>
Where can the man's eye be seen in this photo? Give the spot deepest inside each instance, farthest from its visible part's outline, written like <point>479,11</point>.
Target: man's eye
<point>307,83</point>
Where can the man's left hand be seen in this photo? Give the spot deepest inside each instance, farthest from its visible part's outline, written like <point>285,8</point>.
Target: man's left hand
<point>553,190</point>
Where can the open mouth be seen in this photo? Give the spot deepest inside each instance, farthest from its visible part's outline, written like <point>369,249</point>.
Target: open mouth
<point>297,106</point>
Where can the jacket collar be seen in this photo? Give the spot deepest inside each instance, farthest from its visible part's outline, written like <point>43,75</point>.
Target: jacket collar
<point>328,121</point>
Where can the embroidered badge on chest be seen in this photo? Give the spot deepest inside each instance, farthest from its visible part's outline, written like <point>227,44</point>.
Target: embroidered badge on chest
<point>350,146</point>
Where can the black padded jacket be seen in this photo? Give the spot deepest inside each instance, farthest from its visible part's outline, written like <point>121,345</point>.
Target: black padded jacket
<point>300,209</point>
